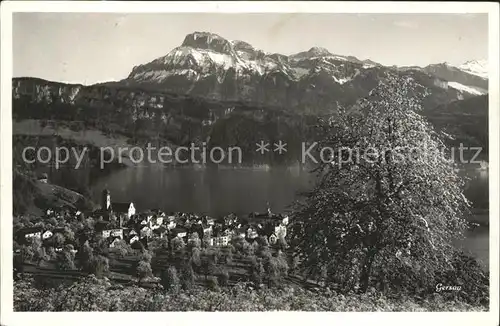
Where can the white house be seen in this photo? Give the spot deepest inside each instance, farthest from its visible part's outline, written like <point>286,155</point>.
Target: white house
<point>171,225</point>
<point>117,233</point>
<point>280,231</point>
<point>182,234</point>
<point>240,233</point>
<point>47,235</point>
<point>146,232</point>
<point>112,232</point>
<point>30,233</point>
<point>114,243</point>
<point>221,241</point>
<point>156,223</point>
<point>207,230</point>
<point>124,208</point>
<point>159,220</point>
<point>252,233</point>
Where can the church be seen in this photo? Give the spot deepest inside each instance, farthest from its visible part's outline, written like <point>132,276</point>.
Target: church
<point>116,210</point>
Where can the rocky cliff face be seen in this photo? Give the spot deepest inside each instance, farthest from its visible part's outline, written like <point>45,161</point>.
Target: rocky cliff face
<point>316,80</point>
<point>161,118</point>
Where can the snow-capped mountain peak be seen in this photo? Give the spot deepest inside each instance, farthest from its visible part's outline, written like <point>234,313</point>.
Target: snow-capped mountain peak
<point>203,54</point>
<point>475,67</point>
<point>208,41</point>
<point>319,51</point>
<point>211,65</point>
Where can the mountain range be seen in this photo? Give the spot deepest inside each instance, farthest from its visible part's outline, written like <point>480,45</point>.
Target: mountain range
<point>209,65</point>
<point>195,89</point>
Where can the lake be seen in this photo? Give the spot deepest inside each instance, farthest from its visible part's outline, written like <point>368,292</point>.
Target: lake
<point>241,191</point>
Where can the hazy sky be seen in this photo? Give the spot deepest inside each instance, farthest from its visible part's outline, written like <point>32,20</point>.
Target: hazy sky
<point>94,47</point>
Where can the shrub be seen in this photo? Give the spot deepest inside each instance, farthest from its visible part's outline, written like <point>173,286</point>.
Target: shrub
<point>262,242</point>
<point>209,263</point>
<point>59,240</point>
<point>213,284</point>
<point>99,265</point>
<point>143,269</point>
<point>194,241</point>
<point>228,257</point>
<point>264,252</point>
<point>177,244</point>
<point>38,251</point>
<point>163,243</point>
<point>282,244</point>
<point>187,276</point>
<point>206,241</point>
<point>272,271</point>
<point>249,249</point>
<point>100,245</point>
<point>158,244</point>
<point>42,257</point>
<point>467,273</point>
<point>52,255</point>
<point>239,244</point>
<point>122,248</point>
<point>257,271</point>
<point>146,256</point>
<point>196,258</point>
<point>223,277</point>
<point>293,263</point>
<point>169,279</point>
<point>69,235</point>
<point>65,260</point>
<point>86,254</point>
<point>282,264</point>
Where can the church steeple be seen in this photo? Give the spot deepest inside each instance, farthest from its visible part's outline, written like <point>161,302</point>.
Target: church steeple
<point>106,200</point>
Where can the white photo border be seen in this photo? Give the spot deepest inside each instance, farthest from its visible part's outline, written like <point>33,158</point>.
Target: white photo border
<point>10,318</point>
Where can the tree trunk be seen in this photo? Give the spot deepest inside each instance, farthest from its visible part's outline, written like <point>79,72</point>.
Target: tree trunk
<point>364,279</point>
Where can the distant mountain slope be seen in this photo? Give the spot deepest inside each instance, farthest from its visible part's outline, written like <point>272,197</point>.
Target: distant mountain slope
<point>470,74</point>
<point>463,122</point>
<point>315,81</point>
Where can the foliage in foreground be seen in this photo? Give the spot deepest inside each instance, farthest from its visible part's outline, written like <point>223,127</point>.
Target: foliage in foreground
<point>92,294</point>
<point>385,215</point>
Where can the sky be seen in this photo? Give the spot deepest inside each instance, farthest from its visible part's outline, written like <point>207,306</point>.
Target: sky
<point>94,47</point>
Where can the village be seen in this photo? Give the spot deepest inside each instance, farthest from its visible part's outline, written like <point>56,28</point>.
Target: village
<point>119,222</point>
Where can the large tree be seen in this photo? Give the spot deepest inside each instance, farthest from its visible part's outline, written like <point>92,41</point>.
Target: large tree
<point>389,202</point>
